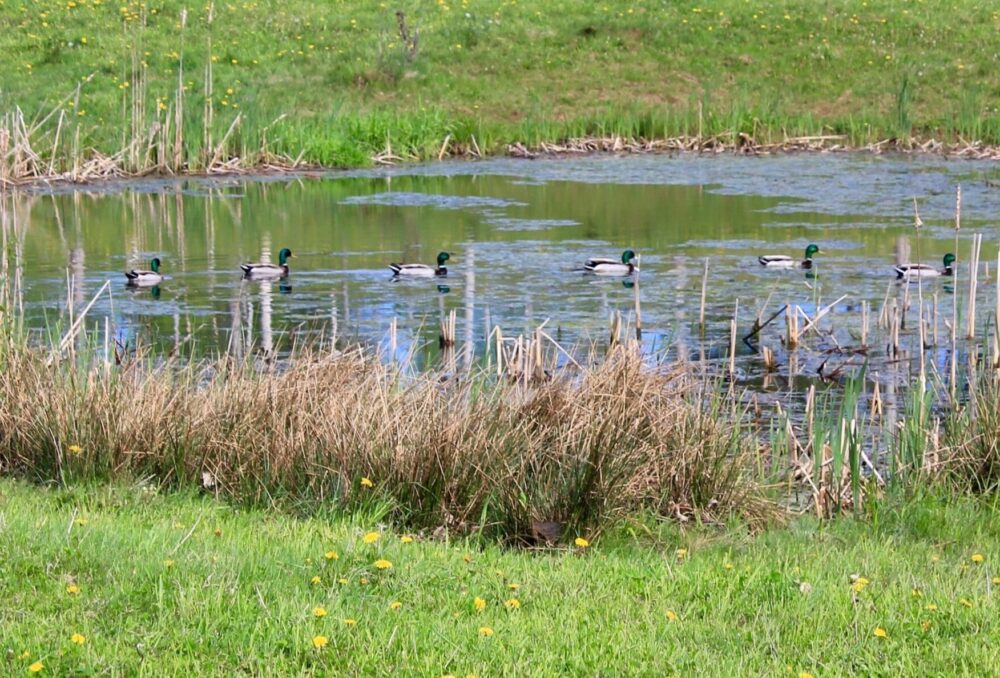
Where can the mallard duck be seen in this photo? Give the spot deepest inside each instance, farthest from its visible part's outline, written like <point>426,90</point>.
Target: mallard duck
<point>908,271</point>
<point>421,270</point>
<point>145,278</point>
<point>784,261</point>
<point>601,266</point>
<point>268,271</point>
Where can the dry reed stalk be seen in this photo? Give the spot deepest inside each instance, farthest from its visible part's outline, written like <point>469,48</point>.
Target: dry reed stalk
<point>791,327</point>
<point>616,329</point>
<point>732,340</point>
<point>638,309</point>
<point>977,243</point>
<point>704,287</point>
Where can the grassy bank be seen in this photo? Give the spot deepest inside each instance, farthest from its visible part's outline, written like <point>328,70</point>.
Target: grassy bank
<point>172,585</point>
<point>344,83</point>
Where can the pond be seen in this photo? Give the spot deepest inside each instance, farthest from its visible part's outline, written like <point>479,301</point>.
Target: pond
<point>516,230</point>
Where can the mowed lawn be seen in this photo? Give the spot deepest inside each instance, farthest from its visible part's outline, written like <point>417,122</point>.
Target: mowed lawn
<point>126,581</point>
<point>349,82</point>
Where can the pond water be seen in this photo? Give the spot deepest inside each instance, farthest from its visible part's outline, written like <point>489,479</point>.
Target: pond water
<point>516,229</point>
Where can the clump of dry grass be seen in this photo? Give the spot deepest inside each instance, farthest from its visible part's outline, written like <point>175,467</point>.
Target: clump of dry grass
<point>516,461</point>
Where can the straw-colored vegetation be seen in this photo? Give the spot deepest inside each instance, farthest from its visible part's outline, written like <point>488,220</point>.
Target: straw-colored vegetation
<point>129,581</point>
<point>96,88</point>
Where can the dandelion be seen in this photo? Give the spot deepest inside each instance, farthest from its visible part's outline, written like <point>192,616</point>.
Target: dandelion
<point>395,605</point>
<point>727,565</point>
<point>406,539</point>
<point>996,581</point>
<point>234,61</point>
<point>78,639</point>
<point>168,563</point>
<point>74,449</point>
<point>513,587</point>
<point>467,558</point>
<point>331,555</point>
<point>513,603</point>
<point>36,667</point>
<point>83,41</point>
<point>342,581</point>
<point>916,593</point>
<point>805,674</point>
<point>81,521</point>
<point>977,557</point>
<point>217,532</point>
<point>965,602</point>
<point>319,642</point>
<point>383,564</point>
<point>859,584</point>
<point>682,554</point>
<point>230,90</point>
<point>72,589</point>
<point>371,537</point>
<point>930,606</point>
<point>581,542</point>
<point>925,625</point>
<point>363,581</point>
<point>315,581</point>
<point>880,632</point>
<point>672,616</point>
<point>351,622</point>
<point>319,612</point>
<point>367,482</point>
<point>485,631</point>
<point>24,655</point>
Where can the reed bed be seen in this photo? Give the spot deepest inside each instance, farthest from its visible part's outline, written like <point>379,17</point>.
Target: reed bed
<point>497,456</point>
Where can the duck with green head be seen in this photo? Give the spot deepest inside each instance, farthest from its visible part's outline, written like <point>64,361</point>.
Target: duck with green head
<point>269,271</point>
<point>145,278</point>
<point>785,261</point>
<point>421,270</point>
<point>603,266</point>
<point>908,271</point>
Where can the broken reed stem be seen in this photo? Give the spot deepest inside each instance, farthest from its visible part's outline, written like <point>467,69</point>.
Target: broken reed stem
<point>864,324</point>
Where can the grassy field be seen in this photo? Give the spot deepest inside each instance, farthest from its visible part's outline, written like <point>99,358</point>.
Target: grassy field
<point>482,73</point>
<point>125,581</point>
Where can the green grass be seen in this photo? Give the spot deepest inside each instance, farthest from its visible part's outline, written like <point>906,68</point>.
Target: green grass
<point>507,70</point>
<point>175,584</point>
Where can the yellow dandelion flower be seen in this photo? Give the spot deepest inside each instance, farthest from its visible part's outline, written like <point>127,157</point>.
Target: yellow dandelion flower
<point>371,537</point>
<point>351,622</point>
<point>682,554</point>
<point>81,521</point>
<point>977,557</point>
<point>930,606</point>
<point>925,625</point>
<point>342,581</point>
<point>916,593</point>
<point>485,631</point>
<point>83,41</point>
<point>395,605</point>
<point>581,542</point>
<point>319,612</point>
<point>320,642</point>
<point>672,616</point>
<point>513,587</point>
<point>367,482</point>
<point>859,584</point>
<point>234,61</point>
<point>74,449</point>
<point>168,563</point>
<point>78,639</point>
<point>363,581</point>
<point>383,564</point>
<point>406,539</point>
<point>467,558</point>
<point>230,90</point>
<point>513,603</point>
<point>331,555</point>
<point>965,602</point>
<point>72,589</point>
<point>996,581</point>
<point>36,667</point>
<point>24,655</point>
<point>805,674</point>
<point>479,603</point>
<point>727,565</point>
<point>315,581</point>
<point>880,632</point>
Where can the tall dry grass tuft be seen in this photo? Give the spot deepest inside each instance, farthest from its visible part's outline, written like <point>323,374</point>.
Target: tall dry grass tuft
<point>478,454</point>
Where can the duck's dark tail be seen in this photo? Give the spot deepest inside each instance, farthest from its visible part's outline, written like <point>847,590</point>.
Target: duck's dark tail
<point>396,268</point>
